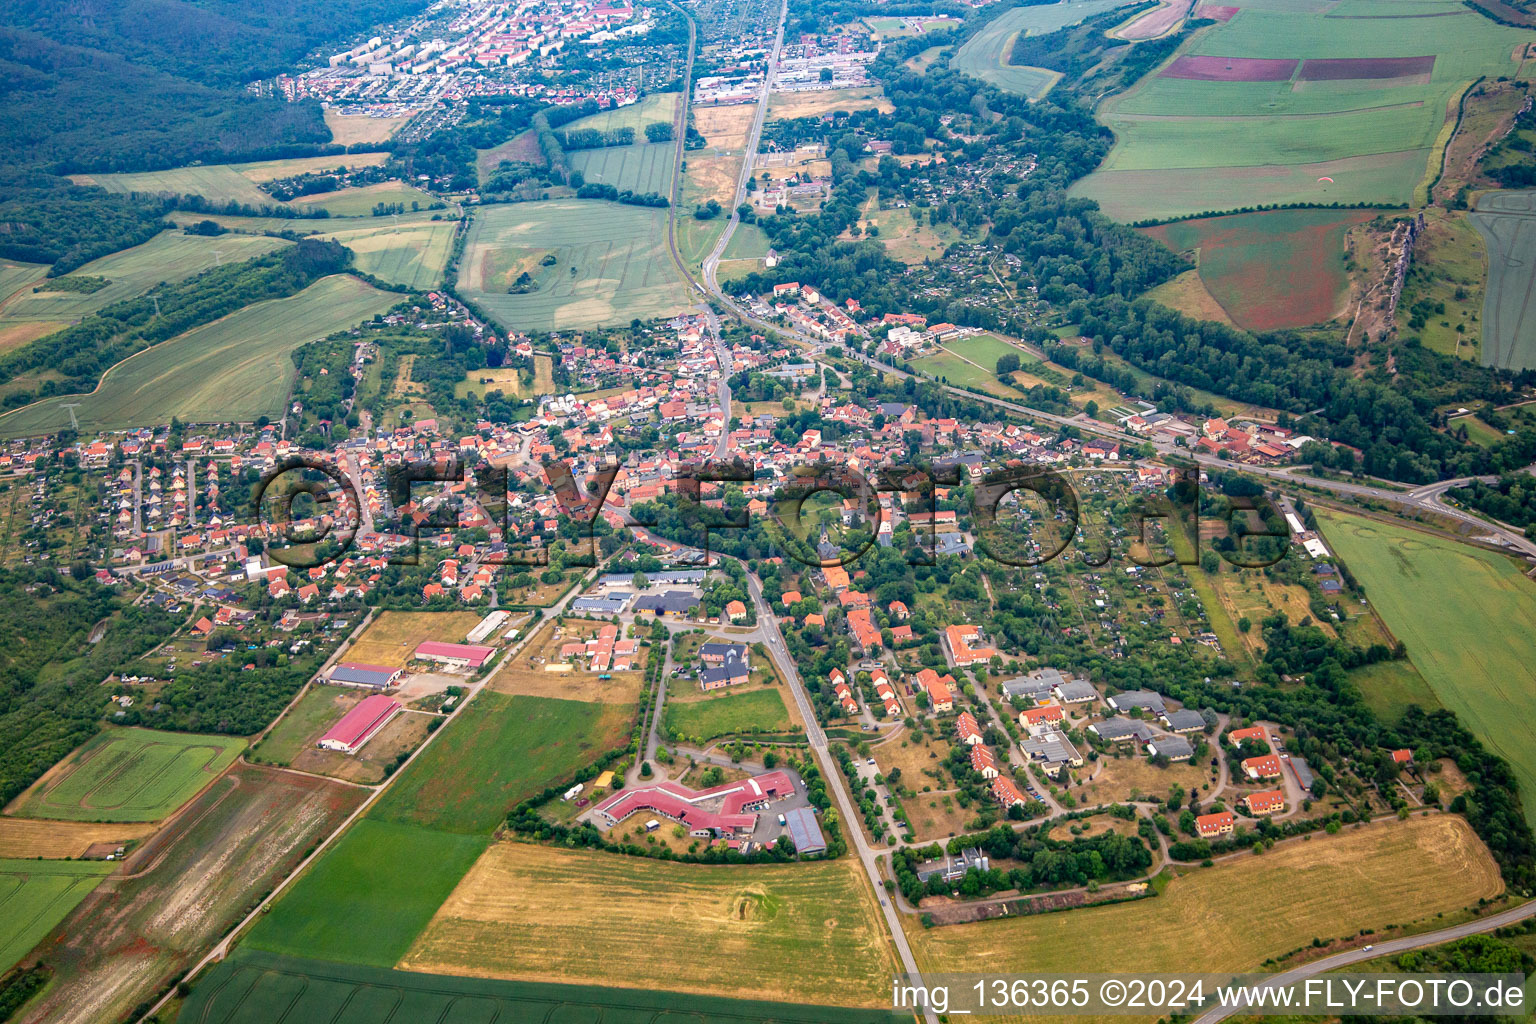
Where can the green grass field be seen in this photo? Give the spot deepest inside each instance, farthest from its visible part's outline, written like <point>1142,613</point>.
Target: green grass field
<point>170,256</point>
<point>412,254</point>
<point>749,711</point>
<point>611,264</point>
<point>234,369</point>
<point>499,751</point>
<point>251,986</point>
<point>1468,619</point>
<point>369,897</point>
<point>1186,146</point>
<point>288,738</point>
<point>1271,270</point>
<point>225,182</point>
<point>13,275</point>
<point>359,202</point>
<point>1507,222</point>
<point>129,775</point>
<point>1391,686</point>
<point>985,55</point>
<point>642,168</point>
<point>658,106</point>
<point>35,895</point>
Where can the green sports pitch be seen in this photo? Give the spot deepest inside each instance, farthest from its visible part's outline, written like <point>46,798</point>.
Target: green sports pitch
<point>609,264</point>
<point>129,775</point>
<point>252,986</point>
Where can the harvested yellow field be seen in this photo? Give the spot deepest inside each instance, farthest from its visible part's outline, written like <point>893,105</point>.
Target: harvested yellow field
<point>350,129</point>
<point>783,105</point>
<point>1249,908</point>
<point>724,127</point>
<point>579,917</point>
<point>1187,294</point>
<point>271,170</point>
<point>25,838</point>
<point>391,638</point>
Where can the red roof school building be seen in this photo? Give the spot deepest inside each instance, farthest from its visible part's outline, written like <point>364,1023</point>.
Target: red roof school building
<point>735,814</point>
<point>454,655</point>
<point>1209,825</point>
<point>361,724</point>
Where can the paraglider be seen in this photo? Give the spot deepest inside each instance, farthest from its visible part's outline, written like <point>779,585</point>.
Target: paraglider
<point>1326,178</point>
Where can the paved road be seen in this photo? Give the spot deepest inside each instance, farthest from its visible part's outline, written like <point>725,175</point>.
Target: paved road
<point>1355,956</point>
<point>836,784</point>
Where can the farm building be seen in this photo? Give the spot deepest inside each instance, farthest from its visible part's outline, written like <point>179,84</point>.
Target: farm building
<point>488,625</point>
<point>454,655</point>
<point>805,831</point>
<point>359,725</point>
<point>1209,825</point>
<point>358,673</point>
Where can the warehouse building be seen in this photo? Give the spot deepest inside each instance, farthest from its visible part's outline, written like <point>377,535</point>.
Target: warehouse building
<point>360,673</point>
<point>454,655</point>
<point>361,724</point>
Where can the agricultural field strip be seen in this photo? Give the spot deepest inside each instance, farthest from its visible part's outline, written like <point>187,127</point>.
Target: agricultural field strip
<point>36,895</point>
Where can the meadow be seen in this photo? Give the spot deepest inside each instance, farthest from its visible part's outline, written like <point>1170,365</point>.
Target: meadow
<point>412,254</point>
<point>36,895</point>
<point>1198,144</point>
<point>1389,873</point>
<point>1282,268</point>
<point>233,369</point>
<point>611,264</point>
<point>642,168</point>
<point>360,202</point>
<point>544,914</point>
<point>260,986</point>
<point>498,751</point>
<point>712,716</point>
<point>1450,256</point>
<point>1507,223</point>
<point>182,890</point>
<point>1467,617</point>
<point>656,106</point>
<point>317,710</point>
<point>168,257</point>
<point>226,182</point>
<point>128,775</point>
<point>985,55</point>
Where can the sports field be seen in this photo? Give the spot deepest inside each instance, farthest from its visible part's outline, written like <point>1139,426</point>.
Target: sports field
<point>985,55</point>
<point>35,896</point>
<point>610,264</point>
<point>252,986</point>
<point>1282,268</point>
<point>128,775</point>
<point>642,168</point>
<point>760,710</point>
<point>392,637</point>
<point>1507,222</point>
<point>412,254</point>
<point>497,752</point>
<point>234,369</point>
<point>544,914</point>
<point>1468,619</point>
<point>1263,108</point>
<point>170,256</point>
<point>1390,873</point>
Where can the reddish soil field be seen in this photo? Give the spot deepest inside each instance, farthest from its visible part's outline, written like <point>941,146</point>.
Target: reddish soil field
<point>1502,10</point>
<point>1217,12</point>
<point>1342,68</point>
<point>1202,68</point>
<point>1270,270</point>
<point>1154,23</point>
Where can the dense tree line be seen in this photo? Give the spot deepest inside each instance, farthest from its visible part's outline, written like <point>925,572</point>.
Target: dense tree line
<point>1510,499</point>
<point>1044,863</point>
